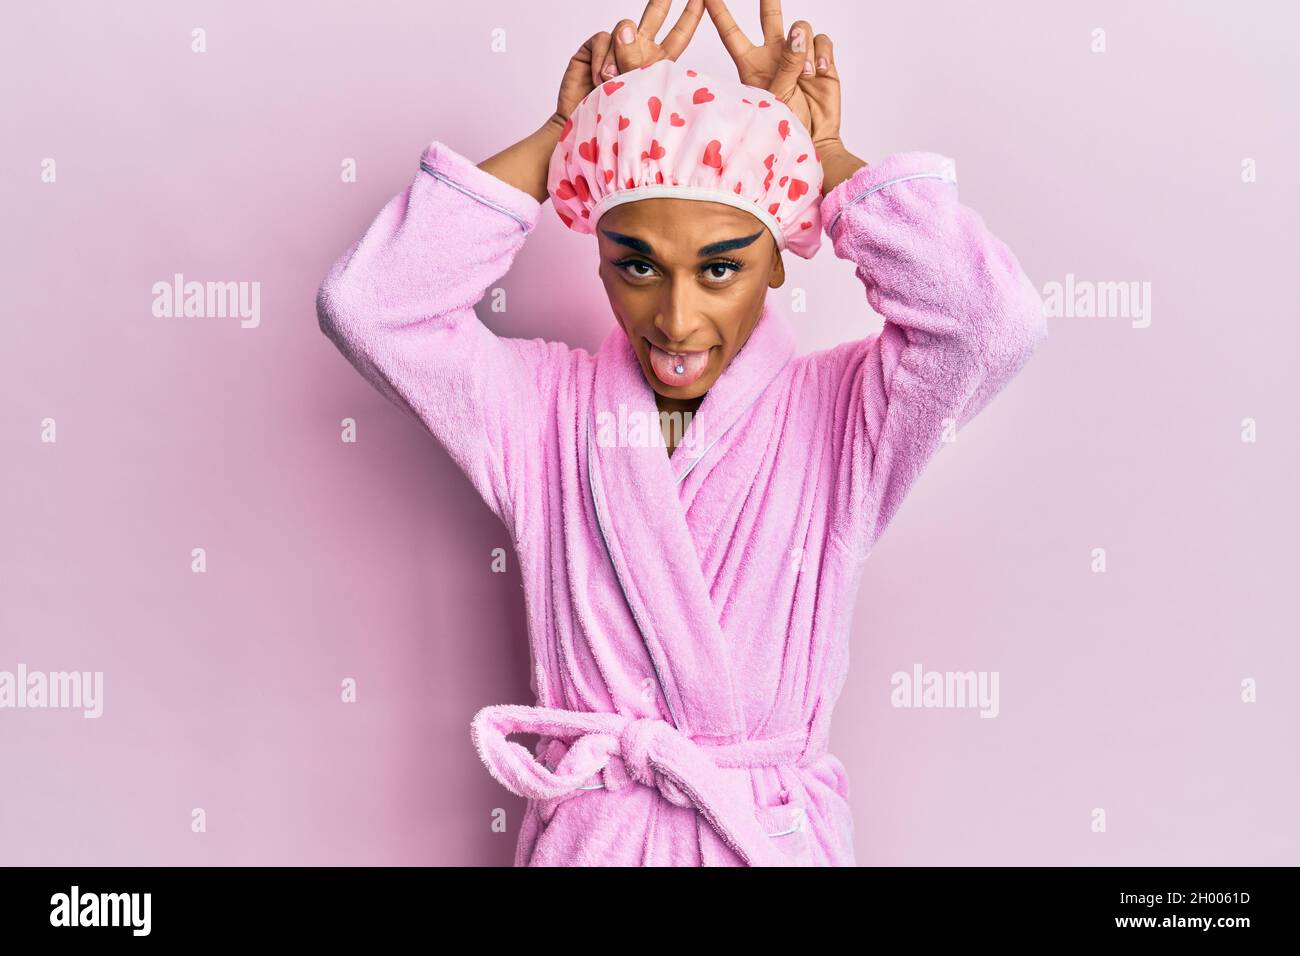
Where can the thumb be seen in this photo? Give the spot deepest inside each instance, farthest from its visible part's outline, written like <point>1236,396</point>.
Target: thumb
<point>628,54</point>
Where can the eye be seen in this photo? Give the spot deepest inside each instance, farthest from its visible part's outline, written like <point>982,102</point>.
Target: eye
<point>718,272</point>
<point>633,264</point>
<point>727,265</point>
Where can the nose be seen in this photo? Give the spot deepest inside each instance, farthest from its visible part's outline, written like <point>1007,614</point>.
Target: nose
<point>678,317</point>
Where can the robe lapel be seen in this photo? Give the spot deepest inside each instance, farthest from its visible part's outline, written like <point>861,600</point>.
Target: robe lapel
<point>634,490</point>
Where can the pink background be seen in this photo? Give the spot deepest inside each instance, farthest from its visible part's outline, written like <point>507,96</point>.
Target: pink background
<point>371,560</point>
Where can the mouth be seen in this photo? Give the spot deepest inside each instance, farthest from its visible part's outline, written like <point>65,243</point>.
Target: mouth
<point>678,369</point>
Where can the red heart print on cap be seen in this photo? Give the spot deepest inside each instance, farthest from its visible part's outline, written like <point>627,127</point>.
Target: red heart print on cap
<point>713,155</point>
<point>654,105</point>
<point>676,120</point>
<point>783,128</point>
<point>623,122</point>
<point>589,150</point>
<point>612,86</point>
<point>654,152</point>
<point>797,188</point>
<point>702,95</point>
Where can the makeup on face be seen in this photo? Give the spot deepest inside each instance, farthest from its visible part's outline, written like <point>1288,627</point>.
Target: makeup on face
<point>685,321</point>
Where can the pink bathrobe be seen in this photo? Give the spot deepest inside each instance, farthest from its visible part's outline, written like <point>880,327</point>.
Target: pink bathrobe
<point>688,618</point>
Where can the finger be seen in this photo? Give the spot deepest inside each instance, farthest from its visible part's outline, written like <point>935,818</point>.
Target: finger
<point>628,54</point>
<point>681,34</point>
<point>656,11</point>
<point>614,59</point>
<point>769,16</point>
<point>732,37</point>
<point>824,57</point>
<point>822,90</point>
<point>794,54</point>
<point>599,48</point>
<point>605,67</point>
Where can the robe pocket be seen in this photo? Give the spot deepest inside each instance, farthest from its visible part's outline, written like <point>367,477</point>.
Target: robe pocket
<point>786,825</point>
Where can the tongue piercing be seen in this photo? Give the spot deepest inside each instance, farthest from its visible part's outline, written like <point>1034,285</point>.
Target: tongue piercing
<point>680,368</point>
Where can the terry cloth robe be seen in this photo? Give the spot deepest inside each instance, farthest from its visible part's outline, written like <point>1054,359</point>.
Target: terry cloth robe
<point>688,618</point>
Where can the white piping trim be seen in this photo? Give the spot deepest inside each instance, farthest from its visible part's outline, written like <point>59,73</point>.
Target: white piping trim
<point>707,448</point>
<point>687,191</point>
<point>830,229</point>
<point>441,177</point>
<point>800,823</point>
<point>618,574</point>
<point>696,460</point>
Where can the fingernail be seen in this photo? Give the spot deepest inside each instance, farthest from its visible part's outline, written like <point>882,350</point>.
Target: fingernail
<point>822,64</point>
<point>626,34</point>
<point>609,70</point>
<point>796,39</point>
<point>807,68</point>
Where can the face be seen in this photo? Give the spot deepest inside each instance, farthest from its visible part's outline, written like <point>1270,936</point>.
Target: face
<point>687,280</point>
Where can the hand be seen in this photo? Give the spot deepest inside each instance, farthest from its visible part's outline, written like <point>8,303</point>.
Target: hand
<point>607,55</point>
<point>643,49</point>
<point>580,77</point>
<point>780,63</point>
<point>821,91</point>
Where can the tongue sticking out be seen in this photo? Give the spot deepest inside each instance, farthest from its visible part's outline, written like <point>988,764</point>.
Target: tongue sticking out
<point>678,369</point>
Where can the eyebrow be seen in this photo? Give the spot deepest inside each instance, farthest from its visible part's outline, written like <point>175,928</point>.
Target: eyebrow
<point>712,249</point>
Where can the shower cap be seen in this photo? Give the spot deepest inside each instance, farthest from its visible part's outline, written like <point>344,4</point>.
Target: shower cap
<point>663,130</point>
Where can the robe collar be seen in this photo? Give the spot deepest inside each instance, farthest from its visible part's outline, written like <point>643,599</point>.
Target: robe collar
<point>634,487</point>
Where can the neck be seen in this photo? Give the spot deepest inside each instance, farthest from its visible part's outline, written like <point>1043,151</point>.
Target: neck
<point>685,407</point>
<point>677,404</point>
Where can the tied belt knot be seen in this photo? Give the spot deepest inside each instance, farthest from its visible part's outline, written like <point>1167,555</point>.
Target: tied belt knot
<point>616,749</point>
<point>640,738</point>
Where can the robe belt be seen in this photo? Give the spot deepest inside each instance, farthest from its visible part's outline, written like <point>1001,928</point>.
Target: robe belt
<point>646,750</point>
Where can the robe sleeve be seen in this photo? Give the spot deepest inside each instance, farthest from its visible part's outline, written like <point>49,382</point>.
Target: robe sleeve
<point>961,319</point>
<point>399,305</point>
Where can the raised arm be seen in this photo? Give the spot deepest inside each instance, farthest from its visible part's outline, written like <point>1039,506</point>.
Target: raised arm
<point>961,316</point>
<point>399,304</point>
<point>961,319</point>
